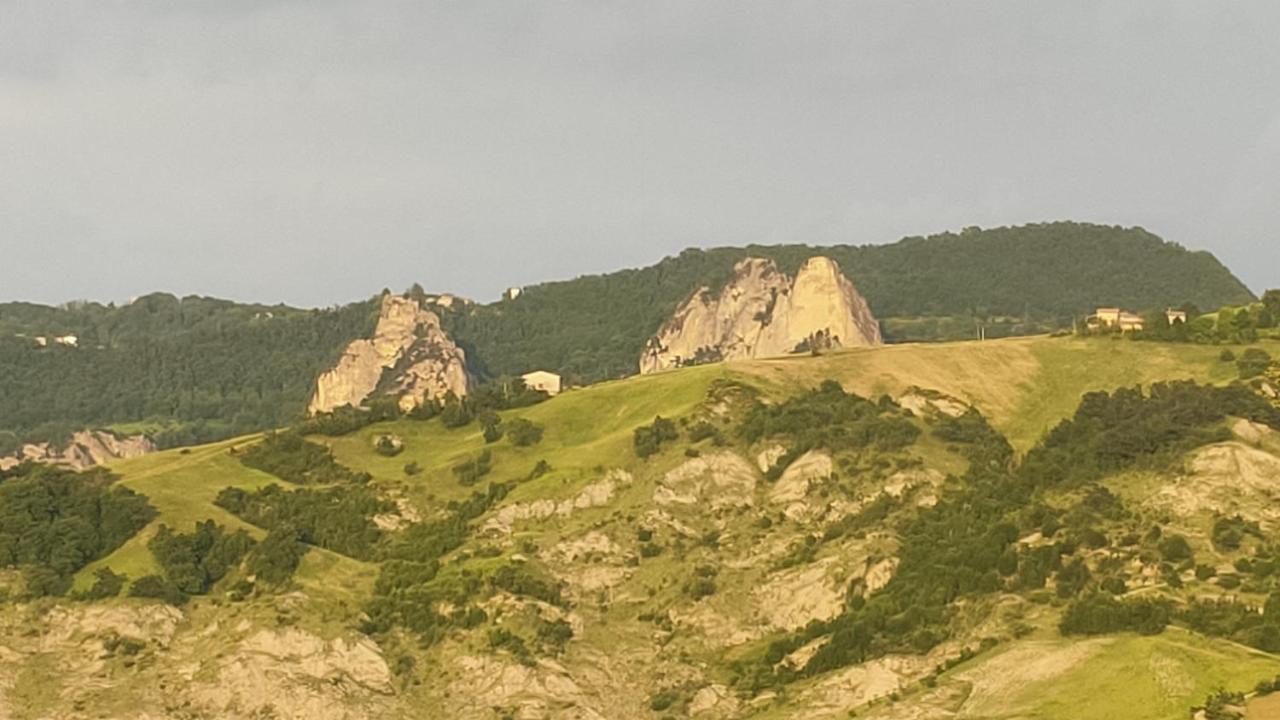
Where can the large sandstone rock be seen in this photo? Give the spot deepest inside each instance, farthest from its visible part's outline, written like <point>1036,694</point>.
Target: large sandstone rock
<point>409,356</point>
<point>764,313</point>
<point>85,449</point>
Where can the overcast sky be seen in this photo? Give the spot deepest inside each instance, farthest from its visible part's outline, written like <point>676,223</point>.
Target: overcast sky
<point>315,152</point>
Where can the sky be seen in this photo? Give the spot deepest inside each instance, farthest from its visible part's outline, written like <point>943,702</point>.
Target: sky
<point>315,152</point>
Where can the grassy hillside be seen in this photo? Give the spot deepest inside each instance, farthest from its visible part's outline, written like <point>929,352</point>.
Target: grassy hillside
<point>1024,385</point>
<point>193,369</point>
<point>615,586</point>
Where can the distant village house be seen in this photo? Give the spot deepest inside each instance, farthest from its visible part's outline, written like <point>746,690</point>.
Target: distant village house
<point>1176,316</point>
<point>1113,317</point>
<point>547,382</point>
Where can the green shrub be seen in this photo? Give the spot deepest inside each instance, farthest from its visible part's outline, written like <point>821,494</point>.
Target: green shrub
<point>649,438</point>
<point>1253,362</point>
<point>1175,548</point>
<point>470,471</point>
<point>106,584</point>
<point>524,433</point>
<point>388,446</point>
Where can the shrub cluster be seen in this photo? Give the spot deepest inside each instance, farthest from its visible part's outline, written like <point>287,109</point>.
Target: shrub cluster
<point>289,456</point>
<point>337,519</point>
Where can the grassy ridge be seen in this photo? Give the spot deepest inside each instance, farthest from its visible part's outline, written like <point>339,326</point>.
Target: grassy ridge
<point>1024,385</point>
<point>1130,676</point>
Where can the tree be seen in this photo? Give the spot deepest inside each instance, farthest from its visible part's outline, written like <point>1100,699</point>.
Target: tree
<point>1253,362</point>
<point>276,558</point>
<point>524,432</point>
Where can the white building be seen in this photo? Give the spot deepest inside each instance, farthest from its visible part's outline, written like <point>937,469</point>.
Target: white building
<point>547,382</point>
<point>1175,316</point>
<point>512,293</point>
<point>68,340</point>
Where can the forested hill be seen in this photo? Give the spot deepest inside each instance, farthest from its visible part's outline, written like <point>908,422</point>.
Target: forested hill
<point>204,368</point>
<point>196,369</point>
<point>1020,279</point>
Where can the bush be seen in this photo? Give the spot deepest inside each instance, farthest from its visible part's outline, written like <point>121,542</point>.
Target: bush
<point>1253,362</point>
<point>1103,614</point>
<point>1227,356</point>
<point>388,445</point>
<point>157,588</point>
<point>106,584</point>
<point>412,468</point>
<point>492,425</point>
<point>277,557</point>
<point>649,438</point>
<point>1175,548</point>
<point>470,471</point>
<point>524,432</point>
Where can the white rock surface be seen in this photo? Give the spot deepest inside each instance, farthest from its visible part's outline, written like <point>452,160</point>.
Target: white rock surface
<point>410,345</point>
<point>764,313</point>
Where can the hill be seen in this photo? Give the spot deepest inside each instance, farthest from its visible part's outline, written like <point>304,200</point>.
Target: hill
<point>195,369</point>
<point>183,370</point>
<point>1016,280</point>
<point>953,533</point>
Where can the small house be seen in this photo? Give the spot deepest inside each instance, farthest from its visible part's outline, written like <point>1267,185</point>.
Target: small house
<point>1115,317</point>
<point>547,382</point>
<point>1176,316</point>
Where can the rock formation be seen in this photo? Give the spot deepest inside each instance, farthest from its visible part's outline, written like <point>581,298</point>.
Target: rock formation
<point>409,357</point>
<point>762,313</point>
<point>85,449</point>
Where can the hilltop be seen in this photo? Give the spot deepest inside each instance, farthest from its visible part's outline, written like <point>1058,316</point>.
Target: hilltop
<point>741,540</point>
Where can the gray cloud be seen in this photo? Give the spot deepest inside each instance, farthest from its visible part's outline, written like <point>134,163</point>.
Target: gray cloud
<point>314,152</point>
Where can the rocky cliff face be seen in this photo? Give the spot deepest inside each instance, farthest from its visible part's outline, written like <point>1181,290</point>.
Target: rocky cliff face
<point>764,313</point>
<point>409,356</point>
<point>86,448</point>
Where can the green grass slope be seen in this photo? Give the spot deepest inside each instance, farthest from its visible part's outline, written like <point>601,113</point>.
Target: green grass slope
<point>1129,676</point>
<point>1024,385</point>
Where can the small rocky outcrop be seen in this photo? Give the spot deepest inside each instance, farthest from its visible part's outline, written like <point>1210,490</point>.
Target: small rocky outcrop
<point>763,312</point>
<point>86,448</point>
<point>409,357</point>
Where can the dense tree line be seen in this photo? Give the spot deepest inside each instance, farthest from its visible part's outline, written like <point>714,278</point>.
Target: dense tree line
<point>201,368</point>
<point>55,521</point>
<point>1019,279</point>
<point>1101,614</point>
<point>828,417</point>
<point>337,518</point>
<point>290,457</point>
<point>192,562</point>
<point>481,403</point>
<point>1121,429</point>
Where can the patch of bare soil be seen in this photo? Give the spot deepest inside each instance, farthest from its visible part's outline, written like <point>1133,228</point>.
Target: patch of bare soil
<point>1226,478</point>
